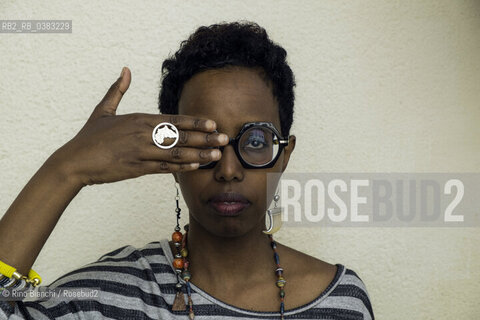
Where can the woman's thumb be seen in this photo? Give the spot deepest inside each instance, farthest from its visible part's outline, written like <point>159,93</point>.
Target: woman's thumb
<point>108,105</point>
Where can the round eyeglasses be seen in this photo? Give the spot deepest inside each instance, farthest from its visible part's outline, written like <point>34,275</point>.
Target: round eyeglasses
<point>258,145</point>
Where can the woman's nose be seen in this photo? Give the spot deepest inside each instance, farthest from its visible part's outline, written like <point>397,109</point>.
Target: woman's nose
<point>228,167</point>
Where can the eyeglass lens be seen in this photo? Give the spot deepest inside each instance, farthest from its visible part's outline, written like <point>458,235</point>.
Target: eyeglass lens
<point>257,146</point>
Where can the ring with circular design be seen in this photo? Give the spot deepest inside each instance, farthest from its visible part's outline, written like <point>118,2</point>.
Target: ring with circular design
<point>165,130</point>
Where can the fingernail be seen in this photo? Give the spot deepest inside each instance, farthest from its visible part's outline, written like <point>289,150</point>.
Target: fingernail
<point>215,153</point>
<point>123,72</point>
<point>210,124</point>
<point>223,138</point>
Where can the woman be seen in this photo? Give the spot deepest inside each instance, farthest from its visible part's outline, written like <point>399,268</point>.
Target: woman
<point>226,81</point>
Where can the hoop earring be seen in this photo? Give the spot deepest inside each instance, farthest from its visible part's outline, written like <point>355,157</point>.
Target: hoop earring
<point>275,217</point>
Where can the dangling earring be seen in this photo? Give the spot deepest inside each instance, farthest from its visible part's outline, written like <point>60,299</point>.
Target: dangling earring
<point>274,216</point>
<point>177,237</point>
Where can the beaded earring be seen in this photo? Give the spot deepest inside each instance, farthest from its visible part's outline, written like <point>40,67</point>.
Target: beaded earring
<point>178,262</point>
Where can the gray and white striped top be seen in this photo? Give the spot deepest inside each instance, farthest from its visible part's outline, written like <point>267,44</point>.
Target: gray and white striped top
<point>140,284</point>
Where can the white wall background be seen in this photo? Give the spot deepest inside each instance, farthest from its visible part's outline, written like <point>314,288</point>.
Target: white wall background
<point>386,85</point>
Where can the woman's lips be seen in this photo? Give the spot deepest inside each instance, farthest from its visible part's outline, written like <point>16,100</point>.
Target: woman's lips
<point>229,208</point>
<point>228,204</point>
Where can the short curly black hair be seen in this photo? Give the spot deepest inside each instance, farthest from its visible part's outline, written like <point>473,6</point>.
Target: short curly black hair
<point>240,43</point>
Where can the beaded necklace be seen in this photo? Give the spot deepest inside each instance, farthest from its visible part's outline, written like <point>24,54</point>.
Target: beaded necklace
<point>181,264</point>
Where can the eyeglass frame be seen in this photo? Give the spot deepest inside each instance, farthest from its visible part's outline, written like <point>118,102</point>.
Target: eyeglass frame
<point>282,142</point>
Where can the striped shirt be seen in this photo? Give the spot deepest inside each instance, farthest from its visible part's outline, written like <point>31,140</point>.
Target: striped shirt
<point>132,283</point>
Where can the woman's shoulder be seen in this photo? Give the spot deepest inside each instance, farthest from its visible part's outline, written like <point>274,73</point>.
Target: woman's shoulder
<point>353,291</point>
<point>132,261</point>
<point>331,286</point>
<point>130,252</point>
<point>348,294</point>
<point>127,276</point>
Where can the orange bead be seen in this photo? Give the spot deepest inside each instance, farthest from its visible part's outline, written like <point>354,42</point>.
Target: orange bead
<point>177,236</point>
<point>178,263</point>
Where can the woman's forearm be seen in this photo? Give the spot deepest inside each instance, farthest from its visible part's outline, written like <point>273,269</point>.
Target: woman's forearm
<point>31,217</point>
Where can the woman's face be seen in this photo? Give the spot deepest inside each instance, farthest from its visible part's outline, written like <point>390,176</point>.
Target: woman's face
<point>231,97</point>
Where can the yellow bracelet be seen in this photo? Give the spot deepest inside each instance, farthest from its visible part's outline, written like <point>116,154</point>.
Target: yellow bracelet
<point>10,272</point>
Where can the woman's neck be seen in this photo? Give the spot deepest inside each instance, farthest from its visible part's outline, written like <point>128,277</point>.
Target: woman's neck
<point>220,263</point>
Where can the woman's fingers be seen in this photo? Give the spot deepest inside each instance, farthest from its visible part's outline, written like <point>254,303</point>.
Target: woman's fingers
<point>179,154</point>
<point>199,139</point>
<point>181,122</point>
<point>151,167</point>
<point>186,139</point>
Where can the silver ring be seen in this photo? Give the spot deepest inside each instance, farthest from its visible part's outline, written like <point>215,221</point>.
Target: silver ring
<point>165,130</point>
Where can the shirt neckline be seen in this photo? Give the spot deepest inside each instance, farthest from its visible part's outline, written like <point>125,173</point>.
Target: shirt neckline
<point>336,280</point>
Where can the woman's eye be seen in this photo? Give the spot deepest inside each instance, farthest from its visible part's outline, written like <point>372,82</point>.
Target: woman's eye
<point>255,142</point>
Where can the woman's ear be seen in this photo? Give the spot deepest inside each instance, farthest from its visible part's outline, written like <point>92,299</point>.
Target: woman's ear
<point>288,151</point>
